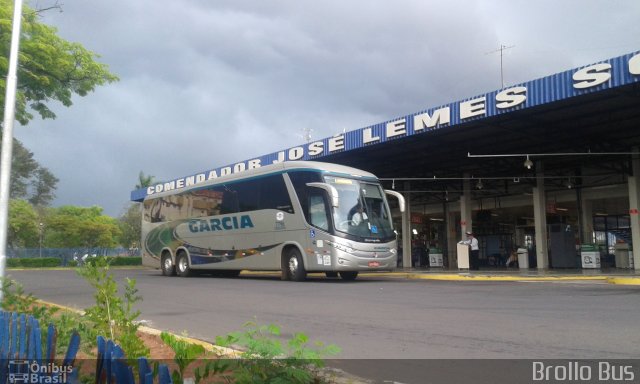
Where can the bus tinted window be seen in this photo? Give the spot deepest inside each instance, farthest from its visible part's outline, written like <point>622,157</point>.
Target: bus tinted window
<point>274,194</point>
<point>299,181</point>
<point>265,193</point>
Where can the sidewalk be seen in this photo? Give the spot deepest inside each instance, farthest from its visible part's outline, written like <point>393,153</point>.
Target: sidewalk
<point>609,275</point>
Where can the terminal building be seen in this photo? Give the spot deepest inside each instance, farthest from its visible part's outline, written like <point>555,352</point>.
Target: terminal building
<point>550,167</point>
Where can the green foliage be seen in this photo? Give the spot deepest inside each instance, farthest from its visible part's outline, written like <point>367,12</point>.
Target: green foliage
<point>30,180</point>
<point>15,299</point>
<point>130,223</point>
<point>185,354</point>
<point>113,316</point>
<point>72,226</point>
<point>23,230</point>
<point>43,184</point>
<point>144,181</point>
<point>124,260</point>
<point>51,69</point>
<point>267,360</point>
<point>32,262</point>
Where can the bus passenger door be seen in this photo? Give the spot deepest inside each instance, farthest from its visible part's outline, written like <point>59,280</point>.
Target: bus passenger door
<point>319,256</point>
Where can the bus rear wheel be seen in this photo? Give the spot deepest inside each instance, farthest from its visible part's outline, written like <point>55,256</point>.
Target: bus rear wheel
<point>295,267</point>
<point>349,275</point>
<point>168,269</point>
<point>182,265</point>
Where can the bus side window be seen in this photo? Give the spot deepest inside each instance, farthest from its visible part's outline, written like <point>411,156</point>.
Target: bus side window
<point>274,194</point>
<point>229,201</point>
<point>318,212</point>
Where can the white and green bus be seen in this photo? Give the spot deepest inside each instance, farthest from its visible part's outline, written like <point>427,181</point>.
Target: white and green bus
<point>295,217</point>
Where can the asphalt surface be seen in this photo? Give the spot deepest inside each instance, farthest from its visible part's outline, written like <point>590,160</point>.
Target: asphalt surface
<point>385,324</point>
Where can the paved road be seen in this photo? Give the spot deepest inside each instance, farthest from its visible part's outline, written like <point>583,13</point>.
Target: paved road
<point>382,318</point>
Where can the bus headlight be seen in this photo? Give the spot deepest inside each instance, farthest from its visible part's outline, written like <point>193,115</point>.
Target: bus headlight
<point>393,251</point>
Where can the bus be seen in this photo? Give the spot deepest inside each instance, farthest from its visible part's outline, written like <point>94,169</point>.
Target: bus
<point>295,217</point>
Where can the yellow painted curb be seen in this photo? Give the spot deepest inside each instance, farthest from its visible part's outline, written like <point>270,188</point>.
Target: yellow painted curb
<point>505,278</point>
<point>624,280</point>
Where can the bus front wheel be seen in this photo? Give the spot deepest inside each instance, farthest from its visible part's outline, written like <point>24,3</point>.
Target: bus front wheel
<point>168,269</point>
<point>182,265</point>
<point>295,267</point>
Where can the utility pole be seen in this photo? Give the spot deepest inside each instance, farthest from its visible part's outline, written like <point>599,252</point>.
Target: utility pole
<point>501,50</point>
<point>7,135</point>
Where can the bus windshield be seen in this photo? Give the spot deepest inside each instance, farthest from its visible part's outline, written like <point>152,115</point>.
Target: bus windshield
<point>362,210</point>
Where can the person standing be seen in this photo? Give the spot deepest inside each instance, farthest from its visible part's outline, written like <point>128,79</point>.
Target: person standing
<point>474,256</point>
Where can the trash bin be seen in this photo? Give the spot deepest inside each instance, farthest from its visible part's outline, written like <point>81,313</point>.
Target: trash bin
<point>435,257</point>
<point>590,256</point>
<point>463,256</point>
<point>523,258</point>
<point>622,256</point>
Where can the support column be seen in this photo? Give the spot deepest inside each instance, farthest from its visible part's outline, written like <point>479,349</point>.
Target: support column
<point>587,222</point>
<point>634,206</point>
<point>452,237</point>
<point>540,218</point>
<point>406,228</point>
<point>466,221</point>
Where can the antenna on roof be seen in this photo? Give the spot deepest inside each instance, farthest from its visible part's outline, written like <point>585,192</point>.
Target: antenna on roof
<point>501,50</point>
<point>306,134</point>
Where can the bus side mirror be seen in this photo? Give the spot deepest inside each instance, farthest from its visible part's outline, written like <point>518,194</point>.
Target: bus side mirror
<point>331,190</point>
<point>397,196</point>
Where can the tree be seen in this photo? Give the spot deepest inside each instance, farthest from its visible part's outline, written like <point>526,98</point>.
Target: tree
<point>131,219</point>
<point>131,226</point>
<point>30,180</point>
<point>50,68</point>
<point>43,186</point>
<point>71,227</point>
<point>144,181</point>
<point>23,230</point>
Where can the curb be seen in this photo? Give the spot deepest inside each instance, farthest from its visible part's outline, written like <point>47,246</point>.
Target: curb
<point>624,280</point>
<point>620,280</point>
<point>507,278</point>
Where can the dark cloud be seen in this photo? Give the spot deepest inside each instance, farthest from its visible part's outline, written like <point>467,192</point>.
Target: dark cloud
<point>205,84</point>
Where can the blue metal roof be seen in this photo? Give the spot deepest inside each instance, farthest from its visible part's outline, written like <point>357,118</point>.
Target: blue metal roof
<point>604,75</point>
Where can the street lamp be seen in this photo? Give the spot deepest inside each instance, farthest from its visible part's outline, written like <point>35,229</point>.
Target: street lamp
<point>41,233</point>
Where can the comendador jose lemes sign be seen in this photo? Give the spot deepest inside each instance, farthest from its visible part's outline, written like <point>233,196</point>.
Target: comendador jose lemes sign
<point>607,74</point>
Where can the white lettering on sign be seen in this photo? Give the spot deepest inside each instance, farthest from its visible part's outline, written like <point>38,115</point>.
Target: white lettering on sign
<point>511,97</point>
<point>584,78</point>
<point>254,164</point>
<point>471,108</point>
<point>592,76</point>
<point>367,136</point>
<point>296,153</point>
<point>336,143</point>
<point>634,65</point>
<point>440,116</point>
<point>316,148</point>
<point>396,128</point>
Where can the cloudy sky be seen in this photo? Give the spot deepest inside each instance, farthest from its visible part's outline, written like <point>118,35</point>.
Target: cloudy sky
<point>206,83</point>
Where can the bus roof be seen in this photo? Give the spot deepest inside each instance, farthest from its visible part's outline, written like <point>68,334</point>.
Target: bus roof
<point>174,187</point>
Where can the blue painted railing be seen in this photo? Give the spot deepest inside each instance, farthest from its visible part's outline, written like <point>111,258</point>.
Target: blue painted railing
<point>23,361</point>
<point>21,355</point>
